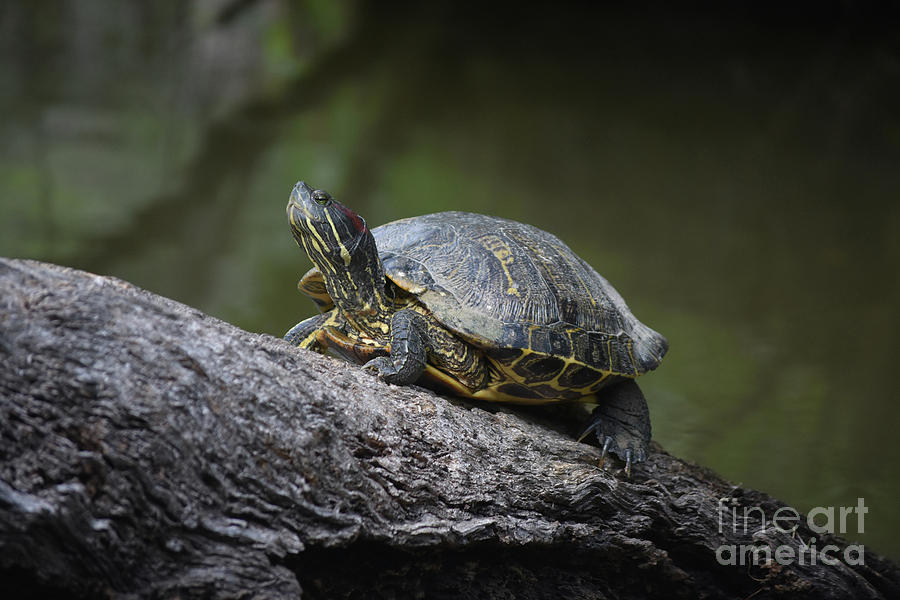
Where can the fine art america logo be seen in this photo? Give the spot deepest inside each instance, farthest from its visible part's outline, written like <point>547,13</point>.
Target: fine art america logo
<point>752,521</point>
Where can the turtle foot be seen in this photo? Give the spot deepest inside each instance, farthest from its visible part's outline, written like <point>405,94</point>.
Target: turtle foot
<point>381,367</point>
<point>621,423</point>
<point>631,454</point>
<point>408,343</point>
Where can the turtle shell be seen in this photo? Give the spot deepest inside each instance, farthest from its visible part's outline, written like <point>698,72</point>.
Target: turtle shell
<point>511,289</point>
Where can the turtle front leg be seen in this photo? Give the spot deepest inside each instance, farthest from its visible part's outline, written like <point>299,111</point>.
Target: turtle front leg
<point>408,349</point>
<point>622,423</point>
<point>305,333</point>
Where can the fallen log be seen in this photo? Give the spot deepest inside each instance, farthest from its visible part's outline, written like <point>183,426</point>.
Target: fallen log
<point>149,450</point>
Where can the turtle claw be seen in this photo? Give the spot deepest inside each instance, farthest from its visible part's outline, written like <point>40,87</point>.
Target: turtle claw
<point>630,457</point>
<point>606,440</point>
<point>592,427</point>
<point>606,444</point>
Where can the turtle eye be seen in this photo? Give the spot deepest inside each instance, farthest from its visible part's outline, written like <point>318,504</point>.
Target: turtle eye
<point>321,197</point>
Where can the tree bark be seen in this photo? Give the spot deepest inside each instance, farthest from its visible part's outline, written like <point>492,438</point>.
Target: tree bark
<point>149,450</point>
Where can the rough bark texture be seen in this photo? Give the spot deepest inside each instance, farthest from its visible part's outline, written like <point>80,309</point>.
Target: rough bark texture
<point>149,450</point>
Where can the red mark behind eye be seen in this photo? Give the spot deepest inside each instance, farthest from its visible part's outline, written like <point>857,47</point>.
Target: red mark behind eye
<point>355,218</point>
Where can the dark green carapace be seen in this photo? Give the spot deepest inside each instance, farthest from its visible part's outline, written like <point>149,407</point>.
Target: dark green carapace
<point>479,306</point>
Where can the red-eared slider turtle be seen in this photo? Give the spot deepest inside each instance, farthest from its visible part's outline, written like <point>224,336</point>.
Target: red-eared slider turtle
<point>481,306</point>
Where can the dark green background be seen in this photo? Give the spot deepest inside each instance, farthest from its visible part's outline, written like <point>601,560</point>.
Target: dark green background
<point>735,175</point>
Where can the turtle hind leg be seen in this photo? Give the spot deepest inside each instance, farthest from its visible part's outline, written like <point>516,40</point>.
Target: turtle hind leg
<point>621,422</point>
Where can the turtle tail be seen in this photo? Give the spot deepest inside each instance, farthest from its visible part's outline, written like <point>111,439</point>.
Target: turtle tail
<point>649,347</point>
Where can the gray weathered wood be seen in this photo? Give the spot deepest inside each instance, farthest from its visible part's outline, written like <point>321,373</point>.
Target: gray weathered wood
<point>149,450</point>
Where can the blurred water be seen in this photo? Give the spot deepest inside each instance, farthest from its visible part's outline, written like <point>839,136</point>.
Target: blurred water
<point>735,179</point>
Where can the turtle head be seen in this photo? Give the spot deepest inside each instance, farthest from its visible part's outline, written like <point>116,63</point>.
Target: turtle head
<point>338,242</point>
<point>324,227</point>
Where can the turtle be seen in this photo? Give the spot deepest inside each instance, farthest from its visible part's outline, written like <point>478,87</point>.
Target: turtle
<point>477,306</point>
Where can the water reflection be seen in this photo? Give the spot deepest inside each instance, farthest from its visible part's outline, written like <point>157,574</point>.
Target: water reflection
<point>736,181</point>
